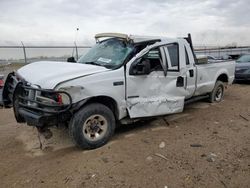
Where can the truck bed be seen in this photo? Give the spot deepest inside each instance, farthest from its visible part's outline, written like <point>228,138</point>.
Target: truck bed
<point>208,73</point>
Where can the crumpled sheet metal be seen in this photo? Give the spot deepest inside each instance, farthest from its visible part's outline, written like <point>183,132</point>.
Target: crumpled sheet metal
<point>145,107</point>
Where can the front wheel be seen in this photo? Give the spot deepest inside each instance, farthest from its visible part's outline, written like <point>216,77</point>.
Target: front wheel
<point>92,126</point>
<point>218,92</point>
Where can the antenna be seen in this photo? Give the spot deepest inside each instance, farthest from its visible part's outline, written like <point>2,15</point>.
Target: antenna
<point>76,34</point>
<point>24,52</point>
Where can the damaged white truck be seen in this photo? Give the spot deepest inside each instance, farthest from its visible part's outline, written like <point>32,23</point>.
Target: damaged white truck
<point>121,79</point>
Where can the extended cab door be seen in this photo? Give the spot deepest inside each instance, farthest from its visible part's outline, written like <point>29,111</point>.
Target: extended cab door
<point>190,70</point>
<point>155,84</point>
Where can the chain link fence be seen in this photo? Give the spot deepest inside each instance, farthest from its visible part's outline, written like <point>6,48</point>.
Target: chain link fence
<point>28,54</point>
<point>222,52</point>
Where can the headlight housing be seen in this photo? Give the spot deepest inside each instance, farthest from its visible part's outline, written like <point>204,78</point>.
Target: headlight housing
<point>76,93</point>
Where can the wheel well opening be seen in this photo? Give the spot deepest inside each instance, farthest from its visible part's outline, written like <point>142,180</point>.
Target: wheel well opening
<point>107,101</point>
<point>223,78</point>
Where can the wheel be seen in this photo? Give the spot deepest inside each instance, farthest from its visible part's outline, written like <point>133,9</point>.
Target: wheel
<point>92,126</point>
<point>18,117</point>
<point>218,92</point>
<point>15,103</point>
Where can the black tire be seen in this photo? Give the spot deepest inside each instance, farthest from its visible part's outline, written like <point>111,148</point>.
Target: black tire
<point>218,92</point>
<point>86,121</point>
<point>18,117</point>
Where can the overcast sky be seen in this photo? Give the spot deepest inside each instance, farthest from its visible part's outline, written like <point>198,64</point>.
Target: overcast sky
<point>214,22</point>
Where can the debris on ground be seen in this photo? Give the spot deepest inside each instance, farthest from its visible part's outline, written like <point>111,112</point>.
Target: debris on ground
<point>196,145</point>
<point>211,157</point>
<point>243,117</point>
<point>161,156</point>
<point>149,158</point>
<point>220,181</point>
<point>166,122</point>
<point>203,155</point>
<point>46,134</point>
<point>129,135</point>
<point>159,128</point>
<point>105,159</point>
<point>162,145</point>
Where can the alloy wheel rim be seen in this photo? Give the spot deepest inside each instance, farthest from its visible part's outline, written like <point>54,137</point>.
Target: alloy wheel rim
<point>218,94</point>
<point>95,127</point>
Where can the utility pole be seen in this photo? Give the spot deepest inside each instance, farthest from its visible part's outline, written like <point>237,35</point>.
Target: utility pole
<point>24,52</point>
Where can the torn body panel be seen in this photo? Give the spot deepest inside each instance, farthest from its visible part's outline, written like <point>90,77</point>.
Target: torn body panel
<point>154,95</point>
<point>154,106</point>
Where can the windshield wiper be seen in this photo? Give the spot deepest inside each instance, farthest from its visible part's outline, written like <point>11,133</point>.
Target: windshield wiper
<point>97,64</point>
<point>93,63</point>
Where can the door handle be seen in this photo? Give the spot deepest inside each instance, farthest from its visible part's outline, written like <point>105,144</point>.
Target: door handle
<point>191,73</point>
<point>180,81</point>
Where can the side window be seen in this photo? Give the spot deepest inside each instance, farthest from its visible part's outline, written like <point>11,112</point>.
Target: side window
<point>187,58</point>
<point>154,57</point>
<point>172,53</point>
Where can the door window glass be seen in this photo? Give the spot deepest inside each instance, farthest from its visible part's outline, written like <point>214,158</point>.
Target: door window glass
<point>154,57</point>
<point>172,53</point>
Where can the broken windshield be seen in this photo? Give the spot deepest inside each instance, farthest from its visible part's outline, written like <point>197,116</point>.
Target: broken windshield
<point>110,53</point>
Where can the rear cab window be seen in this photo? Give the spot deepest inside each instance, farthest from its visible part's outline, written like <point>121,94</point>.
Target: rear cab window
<point>172,53</point>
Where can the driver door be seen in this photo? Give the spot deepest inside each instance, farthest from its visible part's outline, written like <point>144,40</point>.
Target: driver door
<point>155,91</point>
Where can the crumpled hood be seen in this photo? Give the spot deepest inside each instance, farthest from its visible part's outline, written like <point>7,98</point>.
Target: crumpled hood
<point>48,74</point>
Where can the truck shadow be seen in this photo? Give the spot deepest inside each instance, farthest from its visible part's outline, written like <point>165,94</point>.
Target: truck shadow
<point>137,126</point>
<point>161,121</point>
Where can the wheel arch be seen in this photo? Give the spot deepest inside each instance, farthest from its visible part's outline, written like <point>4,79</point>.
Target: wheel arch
<point>105,100</point>
<point>223,77</point>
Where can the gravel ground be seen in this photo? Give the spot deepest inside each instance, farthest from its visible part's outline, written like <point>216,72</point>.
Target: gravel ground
<point>208,145</point>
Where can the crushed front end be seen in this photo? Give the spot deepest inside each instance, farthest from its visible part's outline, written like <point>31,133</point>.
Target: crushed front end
<point>37,107</point>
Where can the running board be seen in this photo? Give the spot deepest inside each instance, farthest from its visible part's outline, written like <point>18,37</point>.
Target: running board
<point>194,99</point>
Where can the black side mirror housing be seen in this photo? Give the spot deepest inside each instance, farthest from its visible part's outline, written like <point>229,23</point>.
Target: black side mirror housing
<point>71,60</point>
<point>140,68</point>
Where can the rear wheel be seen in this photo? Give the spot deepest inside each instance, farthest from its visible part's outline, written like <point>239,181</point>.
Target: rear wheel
<point>92,126</point>
<point>218,92</point>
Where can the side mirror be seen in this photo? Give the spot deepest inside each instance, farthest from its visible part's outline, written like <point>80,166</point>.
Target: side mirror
<point>140,68</point>
<point>71,60</point>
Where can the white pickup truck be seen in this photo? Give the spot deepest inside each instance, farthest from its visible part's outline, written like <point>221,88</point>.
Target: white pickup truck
<point>121,79</point>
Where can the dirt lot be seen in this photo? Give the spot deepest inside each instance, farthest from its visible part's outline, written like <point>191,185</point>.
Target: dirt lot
<point>156,153</point>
